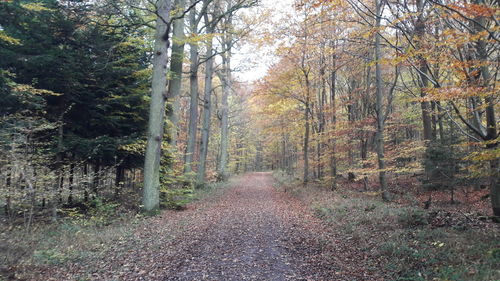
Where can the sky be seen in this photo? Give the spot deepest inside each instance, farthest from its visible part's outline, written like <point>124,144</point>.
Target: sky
<point>249,62</point>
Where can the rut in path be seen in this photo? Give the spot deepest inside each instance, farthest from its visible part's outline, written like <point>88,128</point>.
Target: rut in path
<point>247,240</point>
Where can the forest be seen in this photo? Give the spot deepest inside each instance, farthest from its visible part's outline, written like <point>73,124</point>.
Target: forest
<point>249,140</point>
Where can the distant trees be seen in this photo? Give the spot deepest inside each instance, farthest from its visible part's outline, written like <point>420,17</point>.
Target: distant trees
<point>218,18</point>
<point>401,77</point>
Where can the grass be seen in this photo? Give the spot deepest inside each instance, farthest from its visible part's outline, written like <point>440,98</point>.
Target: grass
<point>403,238</point>
<point>70,240</point>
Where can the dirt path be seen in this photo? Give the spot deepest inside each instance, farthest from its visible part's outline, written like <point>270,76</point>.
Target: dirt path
<point>252,232</point>
<point>246,240</point>
<point>249,232</point>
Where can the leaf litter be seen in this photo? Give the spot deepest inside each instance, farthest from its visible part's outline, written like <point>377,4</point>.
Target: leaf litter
<point>251,231</point>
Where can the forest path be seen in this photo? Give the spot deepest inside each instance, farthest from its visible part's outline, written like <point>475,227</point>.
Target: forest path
<point>248,230</point>
<point>246,238</point>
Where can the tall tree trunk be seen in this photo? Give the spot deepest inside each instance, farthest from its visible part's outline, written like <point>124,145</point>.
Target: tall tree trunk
<point>96,178</point>
<point>239,157</point>
<point>226,90</point>
<point>379,106</point>
<point>283,151</point>
<point>306,142</point>
<point>425,106</point>
<point>175,74</point>
<point>86,182</point>
<point>333,143</point>
<point>193,94</point>
<point>151,192</point>
<point>57,195</point>
<point>491,124</point>
<point>71,182</point>
<point>434,120</point>
<point>57,199</point>
<point>119,180</point>
<point>224,130</point>
<point>321,121</point>
<point>440,122</point>
<point>207,108</point>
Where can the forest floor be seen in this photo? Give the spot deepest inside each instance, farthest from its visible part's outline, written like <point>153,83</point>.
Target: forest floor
<point>258,228</point>
<point>402,240</point>
<point>247,231</point>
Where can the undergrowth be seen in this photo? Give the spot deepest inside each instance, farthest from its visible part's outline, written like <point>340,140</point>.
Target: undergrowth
<point>76,237</point>
<point>409,242</point>
<point>283,180</point>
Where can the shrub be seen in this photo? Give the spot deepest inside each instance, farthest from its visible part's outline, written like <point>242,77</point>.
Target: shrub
<point>176,198</point>
<point>102,212</point>
<point>412,217</point>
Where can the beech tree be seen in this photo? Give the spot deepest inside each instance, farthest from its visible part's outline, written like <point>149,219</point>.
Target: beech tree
<point>387,58</point>
<point>193,89</point>
<point>151,192</point>
<point>175,73</point>
<point>214,15</point>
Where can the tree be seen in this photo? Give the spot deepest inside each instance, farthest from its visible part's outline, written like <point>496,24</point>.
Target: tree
<point>175,74</point>
<point>151,193</point>
<point>213,16</point>
<point>207,102</point>
<point>379,104</point>
<point>227,42</point>
<point>94,71</point>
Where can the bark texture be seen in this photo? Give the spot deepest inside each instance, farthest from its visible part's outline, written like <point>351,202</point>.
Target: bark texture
<point>207,109</point>
<point>175,75</point>
<point>151,192</point>
<point>224,130</point>
<point>379,107</point>
<point>193,94</point>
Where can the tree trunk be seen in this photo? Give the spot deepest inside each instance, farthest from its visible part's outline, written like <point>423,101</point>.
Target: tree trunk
<point>86,182</point>
<point>57,196</point>
<point>119,180</point>
<point>284,164</point>
<point>321,115</point>
<point>306,143</point>
<point>151,192</point>
<point>207,108</point>
<point>364,155</point>
<point>175,74</point>
<point>491,124</point>
<point>440,122</point>
<point>379,106</point>
<point>333,143</point>
<point>226,90</point>
<point>426,109</point>
<point>71,182</point>
<point>193,93</point>
<point>96,178</point>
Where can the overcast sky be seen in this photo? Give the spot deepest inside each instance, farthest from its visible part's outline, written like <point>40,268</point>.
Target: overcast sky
<point>249,62</point>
